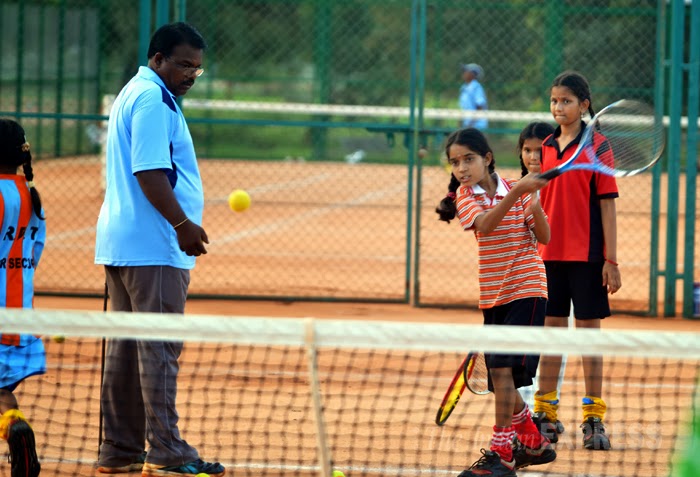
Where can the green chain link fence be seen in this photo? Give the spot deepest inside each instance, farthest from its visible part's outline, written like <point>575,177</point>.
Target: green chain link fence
<point>318,109</point>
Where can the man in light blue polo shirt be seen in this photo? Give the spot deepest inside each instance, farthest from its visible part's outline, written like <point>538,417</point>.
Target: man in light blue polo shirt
<point>148,236</point>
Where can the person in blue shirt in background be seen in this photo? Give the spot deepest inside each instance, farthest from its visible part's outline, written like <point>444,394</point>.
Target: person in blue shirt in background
<point>472,96</point>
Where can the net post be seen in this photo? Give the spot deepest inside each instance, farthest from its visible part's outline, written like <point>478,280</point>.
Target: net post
<point>324,456</point>
<point>103,348</point>
<point>528,392</point>
<point>570,324</point>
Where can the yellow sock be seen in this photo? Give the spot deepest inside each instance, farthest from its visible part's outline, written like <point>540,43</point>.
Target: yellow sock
<point>593,407</point>
<point>548,404</point>
<point>7,419</point>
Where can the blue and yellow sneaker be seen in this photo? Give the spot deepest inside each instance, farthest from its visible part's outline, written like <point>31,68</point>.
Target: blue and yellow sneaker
<point>547,428</point>
<point>191,469</point>
<point>594,437</point>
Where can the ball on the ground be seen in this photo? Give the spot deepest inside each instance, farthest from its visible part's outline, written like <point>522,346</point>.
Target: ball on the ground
<point>58,339</point>
<point>338,473</point>
<point>239,200</point>
<point>202,474</point>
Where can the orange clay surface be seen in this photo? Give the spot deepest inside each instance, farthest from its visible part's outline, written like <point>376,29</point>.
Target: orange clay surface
<point>260,426</point>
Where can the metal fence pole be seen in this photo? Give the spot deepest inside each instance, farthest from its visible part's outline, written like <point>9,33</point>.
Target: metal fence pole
<point>691,158</point>
<point>660,104</point>
<point>162,12</point>
<point>417,100</point>
<point>60,83</point>
<point>674,141</point>
<point>144,29</point>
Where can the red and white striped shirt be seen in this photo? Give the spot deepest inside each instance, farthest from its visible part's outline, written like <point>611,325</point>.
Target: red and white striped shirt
<point>509,266</point>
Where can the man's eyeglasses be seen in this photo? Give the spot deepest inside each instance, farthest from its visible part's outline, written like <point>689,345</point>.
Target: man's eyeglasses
<point>188,70</point>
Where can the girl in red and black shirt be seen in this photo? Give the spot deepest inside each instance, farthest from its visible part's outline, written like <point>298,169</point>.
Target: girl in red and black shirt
<point>580,258</point>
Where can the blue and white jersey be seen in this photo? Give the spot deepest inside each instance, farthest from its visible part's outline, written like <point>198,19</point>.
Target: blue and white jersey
<point>22,239</point>
<point>146,131</point>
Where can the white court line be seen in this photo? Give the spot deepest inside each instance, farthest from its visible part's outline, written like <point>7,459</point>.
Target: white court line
<point>387,470</point>
<point>400,258</point>
<point>70,234</point>
<point>306,216</point>
<point>355,377</point>
<point>295,184</point>
<point>291,221</point>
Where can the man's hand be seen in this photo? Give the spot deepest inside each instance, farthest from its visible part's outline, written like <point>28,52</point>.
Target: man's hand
<point>191,238</point>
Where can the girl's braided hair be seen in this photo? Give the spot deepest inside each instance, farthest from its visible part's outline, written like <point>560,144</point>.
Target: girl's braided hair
<point>14,151</point>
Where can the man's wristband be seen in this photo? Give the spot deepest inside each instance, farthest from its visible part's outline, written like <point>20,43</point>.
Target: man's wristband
<point>186,219</point>
<point>611,262</point>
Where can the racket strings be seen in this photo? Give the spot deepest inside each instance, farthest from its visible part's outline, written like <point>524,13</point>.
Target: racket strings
<point>630,138</point>
<point>477,374</point>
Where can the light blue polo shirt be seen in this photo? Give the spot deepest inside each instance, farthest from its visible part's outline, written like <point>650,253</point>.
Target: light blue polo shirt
<point>146,131</point>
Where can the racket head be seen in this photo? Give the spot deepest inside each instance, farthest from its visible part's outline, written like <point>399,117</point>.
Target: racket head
<point>454,392</point>
<point>476,374</point>
<point>634,134</point>
<point>623,139</point>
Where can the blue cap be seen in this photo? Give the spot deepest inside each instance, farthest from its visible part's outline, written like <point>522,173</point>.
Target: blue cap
<point>474,68</point>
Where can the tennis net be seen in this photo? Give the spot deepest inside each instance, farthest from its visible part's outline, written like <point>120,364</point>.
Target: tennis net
<point>272,396</point>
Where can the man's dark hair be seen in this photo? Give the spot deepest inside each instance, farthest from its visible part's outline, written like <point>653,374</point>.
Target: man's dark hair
<point>167,37</point>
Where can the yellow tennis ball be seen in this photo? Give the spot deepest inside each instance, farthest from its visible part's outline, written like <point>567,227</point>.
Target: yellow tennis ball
<point>58,339</point>
<point>202,474</point>
<point>239,200</point>
<point>338,473</point>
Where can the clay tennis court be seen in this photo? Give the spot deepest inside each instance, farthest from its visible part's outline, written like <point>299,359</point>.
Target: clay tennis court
<point>332,230</point>
<point>253,410</point>
<point>320,230</point>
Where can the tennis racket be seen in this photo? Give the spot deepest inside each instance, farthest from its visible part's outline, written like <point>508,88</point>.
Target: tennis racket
<point>476,375</point>
<point>454,392</point>
<point>623,139</point>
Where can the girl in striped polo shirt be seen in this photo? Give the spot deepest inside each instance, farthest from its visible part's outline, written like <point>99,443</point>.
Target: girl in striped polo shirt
<point>512,284</point>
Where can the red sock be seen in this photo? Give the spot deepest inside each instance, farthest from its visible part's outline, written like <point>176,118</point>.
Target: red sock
<point>502,442</point>
<point>526,430</point>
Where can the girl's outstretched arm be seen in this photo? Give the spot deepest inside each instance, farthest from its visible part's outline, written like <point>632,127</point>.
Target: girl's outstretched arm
<point>487,222</point>
<point>541,229</point>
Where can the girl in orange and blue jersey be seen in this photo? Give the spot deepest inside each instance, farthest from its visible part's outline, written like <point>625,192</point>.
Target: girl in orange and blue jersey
<point>22,240</point>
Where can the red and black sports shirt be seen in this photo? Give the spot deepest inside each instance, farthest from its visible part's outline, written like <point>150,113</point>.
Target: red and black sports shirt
<point>572,204</point>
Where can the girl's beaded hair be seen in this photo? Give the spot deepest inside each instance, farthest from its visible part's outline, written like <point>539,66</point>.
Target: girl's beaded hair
<point>15,151</point>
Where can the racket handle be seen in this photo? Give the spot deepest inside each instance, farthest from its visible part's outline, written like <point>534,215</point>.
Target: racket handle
<point>550,174</point>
